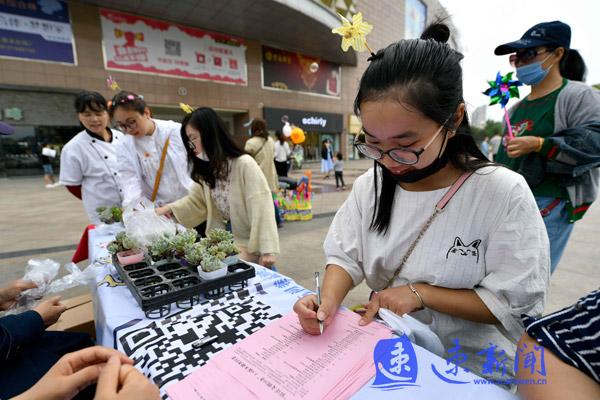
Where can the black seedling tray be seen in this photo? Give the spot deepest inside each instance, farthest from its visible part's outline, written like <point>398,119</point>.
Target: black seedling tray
<point>156,287</point>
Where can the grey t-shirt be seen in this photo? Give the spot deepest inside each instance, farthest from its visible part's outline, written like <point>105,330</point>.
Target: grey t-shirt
<point>338,166</point>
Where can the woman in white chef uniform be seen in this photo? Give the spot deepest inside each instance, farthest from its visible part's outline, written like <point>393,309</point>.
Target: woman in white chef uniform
<point>88,162</point>
<point>152,159</point>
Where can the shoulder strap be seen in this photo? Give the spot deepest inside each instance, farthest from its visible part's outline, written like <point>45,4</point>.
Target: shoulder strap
<point>439,207</point>
<point>163,156</point>
<point>261,147</point>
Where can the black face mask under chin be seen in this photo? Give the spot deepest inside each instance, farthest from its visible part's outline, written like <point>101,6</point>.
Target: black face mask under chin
<point>415,175</point>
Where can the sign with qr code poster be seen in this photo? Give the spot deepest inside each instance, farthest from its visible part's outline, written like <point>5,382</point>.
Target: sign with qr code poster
<point>138,44</point>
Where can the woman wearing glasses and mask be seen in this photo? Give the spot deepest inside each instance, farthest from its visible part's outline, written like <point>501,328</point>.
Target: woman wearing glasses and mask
<point>152,158</point>
<point>433,228</point>
<point>554,145</point>
<point>229,189</point>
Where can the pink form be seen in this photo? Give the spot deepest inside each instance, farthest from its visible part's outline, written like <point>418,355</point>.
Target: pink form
<point>281,361</point>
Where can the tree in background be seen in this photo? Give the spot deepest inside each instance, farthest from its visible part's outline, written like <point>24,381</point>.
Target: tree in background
<point>490,129</point>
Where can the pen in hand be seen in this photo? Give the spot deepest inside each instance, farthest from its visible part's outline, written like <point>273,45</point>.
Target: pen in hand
<point>318,300</point>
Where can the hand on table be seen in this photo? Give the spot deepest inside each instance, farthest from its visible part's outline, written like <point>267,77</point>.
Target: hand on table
<point>267,260</point>
<point>10,293</point>
<point>73,373</point>
<point>308,312</point>
<point>50,310</point>
<point>522,145</point>
<point>119,381</point>
<point>399,300</point>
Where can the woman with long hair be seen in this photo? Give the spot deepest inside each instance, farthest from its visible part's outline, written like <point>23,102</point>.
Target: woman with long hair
<point>435,229</point>
<point>228,188</point>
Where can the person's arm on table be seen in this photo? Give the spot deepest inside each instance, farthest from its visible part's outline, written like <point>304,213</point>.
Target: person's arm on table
<point>462,303</point>
<point>336,285</point>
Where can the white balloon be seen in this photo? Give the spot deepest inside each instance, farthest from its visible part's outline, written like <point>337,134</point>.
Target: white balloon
<point>287,129</point>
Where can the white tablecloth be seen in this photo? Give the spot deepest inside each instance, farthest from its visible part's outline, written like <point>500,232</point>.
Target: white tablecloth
<point>117,314</point>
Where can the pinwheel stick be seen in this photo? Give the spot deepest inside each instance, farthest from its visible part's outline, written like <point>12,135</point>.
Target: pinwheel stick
<point>508,126</point>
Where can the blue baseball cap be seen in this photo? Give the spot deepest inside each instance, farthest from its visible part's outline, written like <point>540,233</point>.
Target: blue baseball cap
<point>553,33</point>
<point>6,129</point>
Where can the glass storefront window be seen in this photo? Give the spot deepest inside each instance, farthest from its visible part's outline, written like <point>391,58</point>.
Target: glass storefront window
<point>20,152</point>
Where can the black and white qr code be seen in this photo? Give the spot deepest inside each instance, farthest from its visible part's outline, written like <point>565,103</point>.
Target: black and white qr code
<point>165,351</point>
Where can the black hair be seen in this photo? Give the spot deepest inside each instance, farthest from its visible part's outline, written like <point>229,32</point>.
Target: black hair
<point>217,142</point>
<point>339,155</point>
<point>280,136</point>
<point>572,66</point>
<point>426,74</point>
<point>259,128</point>
<point>129,101</point>
<point>93,101</point>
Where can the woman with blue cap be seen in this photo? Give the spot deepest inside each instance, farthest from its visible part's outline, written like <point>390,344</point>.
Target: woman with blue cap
<point>552,147</point>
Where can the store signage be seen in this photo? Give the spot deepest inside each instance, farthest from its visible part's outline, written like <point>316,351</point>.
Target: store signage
<point>284,70</point>
<point>139,44</point>
<point>36,30</point>
<point>311,121</point>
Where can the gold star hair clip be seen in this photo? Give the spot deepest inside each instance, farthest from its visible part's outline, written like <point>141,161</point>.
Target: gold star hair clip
<point>354,34</point>
<point>186,108</point>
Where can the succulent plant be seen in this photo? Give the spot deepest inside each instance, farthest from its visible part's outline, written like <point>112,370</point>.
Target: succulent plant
<point>122,242</point>
<point>216,252</point>
<point>211,263</point>
<point>194,254</point>
<point>161,248</point>
<point>217,236</point>
<point>183,240</point>
<point>110,215</point>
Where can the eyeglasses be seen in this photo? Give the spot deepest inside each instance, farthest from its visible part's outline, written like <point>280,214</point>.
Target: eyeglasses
<point>402,155</point>
<point>526,56</point>
<point>126,126</point>
<point>191,143</point>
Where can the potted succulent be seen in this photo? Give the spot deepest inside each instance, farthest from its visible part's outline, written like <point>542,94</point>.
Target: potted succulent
<point>209,266</point>
<point>182,240</point>
<point>126,248</point>
<point>161,250</point>
<point>220,243</point>
<point>110,215</point>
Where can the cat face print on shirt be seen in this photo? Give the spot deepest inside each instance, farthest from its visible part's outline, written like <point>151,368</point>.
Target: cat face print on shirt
<point>459,249</point>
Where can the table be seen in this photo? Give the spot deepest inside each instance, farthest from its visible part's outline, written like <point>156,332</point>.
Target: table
<point>163,349</point>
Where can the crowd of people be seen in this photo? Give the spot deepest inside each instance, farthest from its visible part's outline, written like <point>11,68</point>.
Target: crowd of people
<point>460,239</point>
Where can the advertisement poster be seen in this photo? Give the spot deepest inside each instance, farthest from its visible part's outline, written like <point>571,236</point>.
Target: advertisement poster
<point>36,30</point>
<point>285,70</point>
<point>415,18</point>
<point>138,44</point>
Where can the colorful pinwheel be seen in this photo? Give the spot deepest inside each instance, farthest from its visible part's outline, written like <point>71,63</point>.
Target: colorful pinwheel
<point>354,34</point>
<point>501,91</point>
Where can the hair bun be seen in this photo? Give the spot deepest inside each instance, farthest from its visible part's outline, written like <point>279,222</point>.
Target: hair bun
<point>436,31</point>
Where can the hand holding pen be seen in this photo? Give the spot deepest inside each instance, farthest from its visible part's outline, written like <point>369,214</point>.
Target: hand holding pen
<point>318,284</point>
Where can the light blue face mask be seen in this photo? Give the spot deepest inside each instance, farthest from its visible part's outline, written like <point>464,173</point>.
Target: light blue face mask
<point>534,73</point>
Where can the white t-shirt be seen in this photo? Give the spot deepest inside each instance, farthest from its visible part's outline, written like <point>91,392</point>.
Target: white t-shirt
<point>490,238</point>
<point>92,163</point>
<point>282,151</point>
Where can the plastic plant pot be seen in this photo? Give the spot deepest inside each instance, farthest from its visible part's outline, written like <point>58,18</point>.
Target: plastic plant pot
<point>219,273</point>
<point>128,257</point>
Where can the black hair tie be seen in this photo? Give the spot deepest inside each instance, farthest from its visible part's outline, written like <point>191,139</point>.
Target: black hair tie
<point>375,56</point>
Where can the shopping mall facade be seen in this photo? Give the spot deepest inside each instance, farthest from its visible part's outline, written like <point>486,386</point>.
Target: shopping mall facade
<point>244,58</point>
